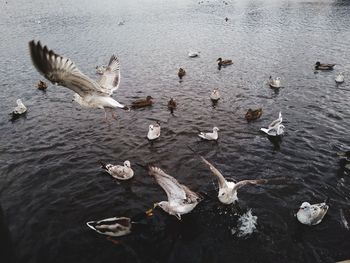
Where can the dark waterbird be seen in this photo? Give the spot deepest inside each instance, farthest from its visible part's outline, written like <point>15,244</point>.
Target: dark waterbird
<point>323,66</point>
<point>142,103</point>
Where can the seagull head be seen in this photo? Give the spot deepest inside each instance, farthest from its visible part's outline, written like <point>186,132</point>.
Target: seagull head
<point>216,129</point>
<point>304,206</point>
<point>127,164</point>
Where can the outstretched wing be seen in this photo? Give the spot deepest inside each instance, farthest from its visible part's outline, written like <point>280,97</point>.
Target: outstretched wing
<point>221,179</point>
<point>61,70</point>
<point>111,77</point>
<point>276,122</point>
<point>174,190</point>
<point>276,181</point>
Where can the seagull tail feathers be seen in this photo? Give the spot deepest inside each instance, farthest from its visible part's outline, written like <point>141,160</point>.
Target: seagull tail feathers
<point>103,165</point>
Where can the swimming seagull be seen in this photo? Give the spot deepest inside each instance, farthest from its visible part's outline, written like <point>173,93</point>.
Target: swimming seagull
<point>228,190</point>
<point>62,71</point>
<point>121,172</point>
<point>181,200</point>
<point>215,94</point>
<point>193,54</point>
<point>153,131</point>
<point>20,108</point>
<point>312,214</point>
<point>210,136</point>
<point>275,128</point>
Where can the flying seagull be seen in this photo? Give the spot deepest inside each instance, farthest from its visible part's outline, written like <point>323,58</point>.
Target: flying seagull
<point>62,71</point>
<point>228,190</point>
<point>181,200</point>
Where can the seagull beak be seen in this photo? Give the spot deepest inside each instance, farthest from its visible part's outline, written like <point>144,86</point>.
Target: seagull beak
<point>155,205</point>
<point>126,108</point>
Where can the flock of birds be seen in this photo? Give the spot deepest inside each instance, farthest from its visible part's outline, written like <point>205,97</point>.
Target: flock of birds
<point>181,200</point>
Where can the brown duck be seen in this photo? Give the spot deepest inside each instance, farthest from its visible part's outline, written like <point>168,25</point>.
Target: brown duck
<point>224,63</point>
<point>252,115</point>
<point>181,73</point>
<point>42,85</point>
<point>142,103</point>
<point>323,66</point>
<point>171,105</point>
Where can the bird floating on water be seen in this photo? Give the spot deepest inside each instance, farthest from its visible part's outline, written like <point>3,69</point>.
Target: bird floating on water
<point>224,63</point>
<point>323,66</point>
<point>193,54</point>
<point>19,109</point>
<point>210,136</point>
<point>172,105</point>
<point>275,128</point>
<point>181,200</point>
<point>120,172</point>
<point>142,103</point>
<point>215,94</point>
<point>153,131</point>
<point>181,73</point>
<point>42,85</point>
<point>62,71</point>
<point>339,78</point>
<point>117,226</point>
<point>274,83</point>
<point>228,190</point>
<point>312,214</point>
<point>252,115</point>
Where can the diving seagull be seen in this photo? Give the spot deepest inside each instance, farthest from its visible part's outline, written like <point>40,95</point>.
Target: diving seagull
<point>20,108</point>
<point>62,71</point>
<point>312,214</point>
<point>228,190</point>
<point>181,200</point>
<point>275,128</point>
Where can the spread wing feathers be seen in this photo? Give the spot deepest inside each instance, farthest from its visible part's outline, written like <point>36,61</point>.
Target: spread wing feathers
<point>111,77</point>
<point>274,181</point>
<point>276,122</point>
<point>61,70</point>
<point>318,211</point>
<point>174,190</point>
<point>221,179</point>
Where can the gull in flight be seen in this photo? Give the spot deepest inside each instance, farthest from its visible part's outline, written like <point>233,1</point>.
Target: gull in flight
<point>88,93</point>
<point>228,190</point>
<point>312,214</point>
<point>275,128</point>
<point>181,200</point>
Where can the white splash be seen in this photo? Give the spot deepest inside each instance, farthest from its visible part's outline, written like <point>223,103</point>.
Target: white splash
<point>246,224</point>
<point>343,219</point>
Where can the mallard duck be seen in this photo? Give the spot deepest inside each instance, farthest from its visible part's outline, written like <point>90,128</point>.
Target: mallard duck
<point>312,214</point>
<point>339,78</point>
<point>275,128</point>
<point>120,172</point>
<point>228,190</point>
<point>181,73</point>
<point>20,108</point>
<point>215,94</point>
<point>224,63</point>
<point>117,226</point>
<point>210,136</point>
<point>153,131</point>
<point>226,19</point>
<point>142,103</point>
<point>171,105</point>
<point>252,115</point>
<point>323,66</point>
<point>275,83</point>
<point>181,200</point>
<point>42,85</point>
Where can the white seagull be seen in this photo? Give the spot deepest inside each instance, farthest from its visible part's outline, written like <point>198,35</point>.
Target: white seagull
<point>228,190</point>
<point>181,200</point>
<point>20,108</point>
<point>275,83</point>
<point>275,128</point>
<point>120,172</point>
<point>312,214</point>
<point>153,131</point>
<point>215,94</point>
<point>62,71</point>
<point>193,54</point>
<point>339,78</point>
<point>211,136</point>
<point>101,69</point>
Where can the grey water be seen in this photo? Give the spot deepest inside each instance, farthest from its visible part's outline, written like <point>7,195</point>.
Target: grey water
<point>51,183</point>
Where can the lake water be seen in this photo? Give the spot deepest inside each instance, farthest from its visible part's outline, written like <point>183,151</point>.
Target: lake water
<point>51,183</point>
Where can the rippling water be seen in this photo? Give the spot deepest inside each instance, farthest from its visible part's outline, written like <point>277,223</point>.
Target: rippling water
<point>51,184</point>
